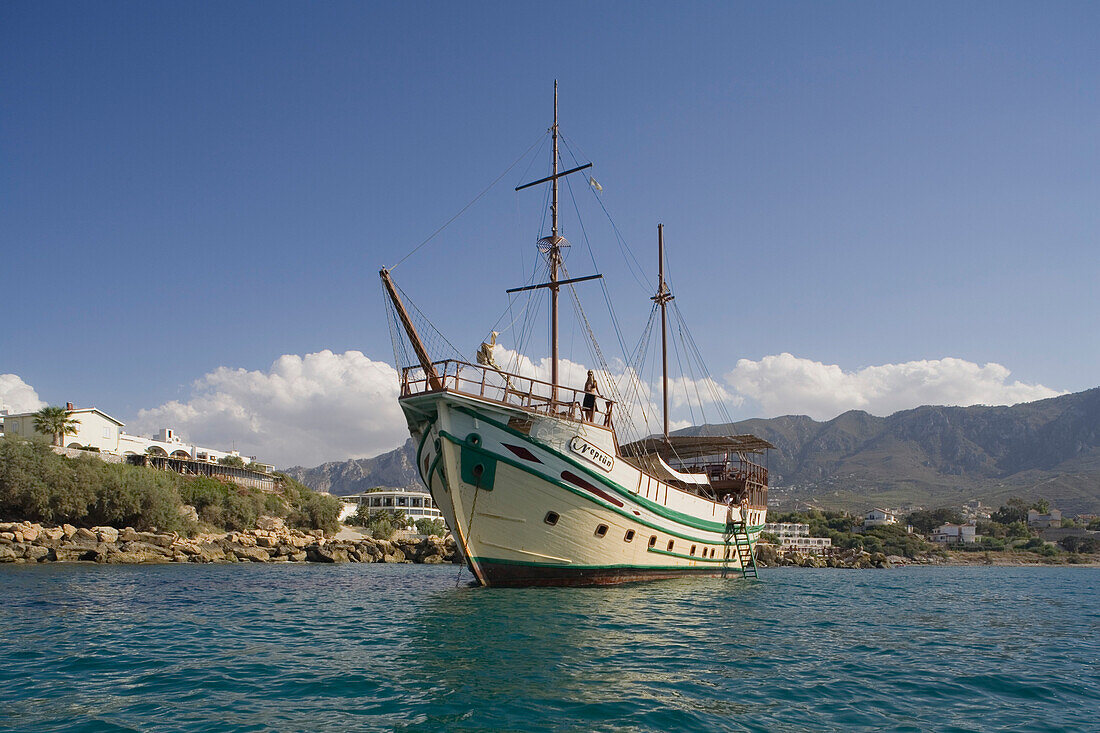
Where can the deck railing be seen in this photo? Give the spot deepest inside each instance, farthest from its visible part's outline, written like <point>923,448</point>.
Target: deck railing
<point>526,393</point>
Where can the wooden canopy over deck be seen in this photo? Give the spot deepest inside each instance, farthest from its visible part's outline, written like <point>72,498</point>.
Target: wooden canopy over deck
<point>679,447</point>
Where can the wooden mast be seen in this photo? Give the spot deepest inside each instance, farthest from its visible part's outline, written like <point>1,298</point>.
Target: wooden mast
<point>552,247</point>
<point>418,346</point>
<point>555,258</point>
<point>661,298</point>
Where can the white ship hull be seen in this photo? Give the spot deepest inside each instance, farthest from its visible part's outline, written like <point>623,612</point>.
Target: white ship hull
<point>534,499</point>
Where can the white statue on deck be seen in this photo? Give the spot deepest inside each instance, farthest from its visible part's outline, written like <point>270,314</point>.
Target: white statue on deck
<point>485,357</point>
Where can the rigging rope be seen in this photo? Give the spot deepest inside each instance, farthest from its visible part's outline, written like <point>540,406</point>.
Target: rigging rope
<point>463,209</point>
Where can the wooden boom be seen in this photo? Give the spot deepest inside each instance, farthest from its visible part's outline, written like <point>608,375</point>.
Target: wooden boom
<point>418,346</point>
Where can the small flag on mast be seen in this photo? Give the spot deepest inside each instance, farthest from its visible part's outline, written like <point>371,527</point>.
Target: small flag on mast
<point>594,184</point>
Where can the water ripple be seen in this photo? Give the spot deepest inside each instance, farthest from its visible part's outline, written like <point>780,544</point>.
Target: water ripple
<point>382,647</point>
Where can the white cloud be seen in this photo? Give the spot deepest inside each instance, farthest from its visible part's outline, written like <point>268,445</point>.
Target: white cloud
<point>18,396</point>
<point>330,407</point>
<point>785,384</point>
<point>303,410</point>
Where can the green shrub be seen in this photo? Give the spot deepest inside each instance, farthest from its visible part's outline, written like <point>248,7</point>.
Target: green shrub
<point>381,524</point>
<point>241,510</point>
<point>431,527</point>
<point>318,511</point>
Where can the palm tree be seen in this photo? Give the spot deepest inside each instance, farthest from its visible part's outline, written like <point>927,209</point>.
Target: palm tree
<point>55,421</point>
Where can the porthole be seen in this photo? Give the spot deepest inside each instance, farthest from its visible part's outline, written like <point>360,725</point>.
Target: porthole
<point>653,541</point>
<point>712,552</point>
<point>692,553</point>
<point>601,530</point>
<point>551,518</point>
<point>671,544</point>
<point>629,537</point>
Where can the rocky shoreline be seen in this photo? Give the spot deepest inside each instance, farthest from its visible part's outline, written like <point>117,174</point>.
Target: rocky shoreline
<point>26,542</point>
<point>768,556</point>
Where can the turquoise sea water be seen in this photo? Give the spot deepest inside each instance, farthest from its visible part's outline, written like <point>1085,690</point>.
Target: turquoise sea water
<point>363,647</point>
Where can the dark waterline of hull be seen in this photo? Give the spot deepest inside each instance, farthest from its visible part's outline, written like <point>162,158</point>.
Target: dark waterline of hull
<point>502,575</point>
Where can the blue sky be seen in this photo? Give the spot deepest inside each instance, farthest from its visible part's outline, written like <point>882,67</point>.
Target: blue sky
<point>905,188</point>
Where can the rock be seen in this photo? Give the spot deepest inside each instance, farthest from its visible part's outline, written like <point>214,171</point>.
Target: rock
<point>106,534</point>
<point>135,558</point>
<point>299,556</point>
<point>768,554</point>
<point>186,548</point>
<point>35,553</point>
<point>897,560</point>
<point>7,554</point>
<point>433,560</point>
<point>31,532</point>
<point>300,541</point>
<point>210,552</point>
<point>253,554</point>
<point>160,540</point>
<point>52,534</point>
<point>67,531</point>
<point>267,542</point>
<point>81,550</point>
<point>189,513</point>
<point>329,554</point>
<point>84,535</point>
<point>141,552</point>
<point>396,556</point>
<point>271,524</point>
<point>9,536</point>
<point>879,560</point>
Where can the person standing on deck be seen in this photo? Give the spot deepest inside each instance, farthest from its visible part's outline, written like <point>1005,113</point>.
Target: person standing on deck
<point>590,392</point>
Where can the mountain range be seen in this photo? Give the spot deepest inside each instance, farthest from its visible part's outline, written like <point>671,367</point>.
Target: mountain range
<point>928,456</point>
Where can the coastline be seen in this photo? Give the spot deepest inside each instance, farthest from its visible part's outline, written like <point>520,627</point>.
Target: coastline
<point>768,556</point>
<point>27,542</point>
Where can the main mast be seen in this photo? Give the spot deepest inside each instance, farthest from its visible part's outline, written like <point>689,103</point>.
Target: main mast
<point>555,259</point>
<point>552,246</point>
<point>661,298</point>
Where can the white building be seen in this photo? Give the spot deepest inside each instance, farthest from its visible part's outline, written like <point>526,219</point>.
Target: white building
<point>796,536</point>
<point>879,517</point>
<point>415,504</point>
<point>956,534</point>
<point>96,429</point>
<point>1044,521</point>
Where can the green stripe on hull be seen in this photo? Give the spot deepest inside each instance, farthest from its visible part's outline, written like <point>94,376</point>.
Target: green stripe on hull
<point>659,509</point>
<point>584,494</point>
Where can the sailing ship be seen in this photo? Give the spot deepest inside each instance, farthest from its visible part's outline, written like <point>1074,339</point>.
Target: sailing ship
<point>532,480</point>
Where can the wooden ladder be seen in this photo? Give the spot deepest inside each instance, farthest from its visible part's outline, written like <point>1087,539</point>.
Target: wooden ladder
<point>745,554</point>
<point>737,533</point>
